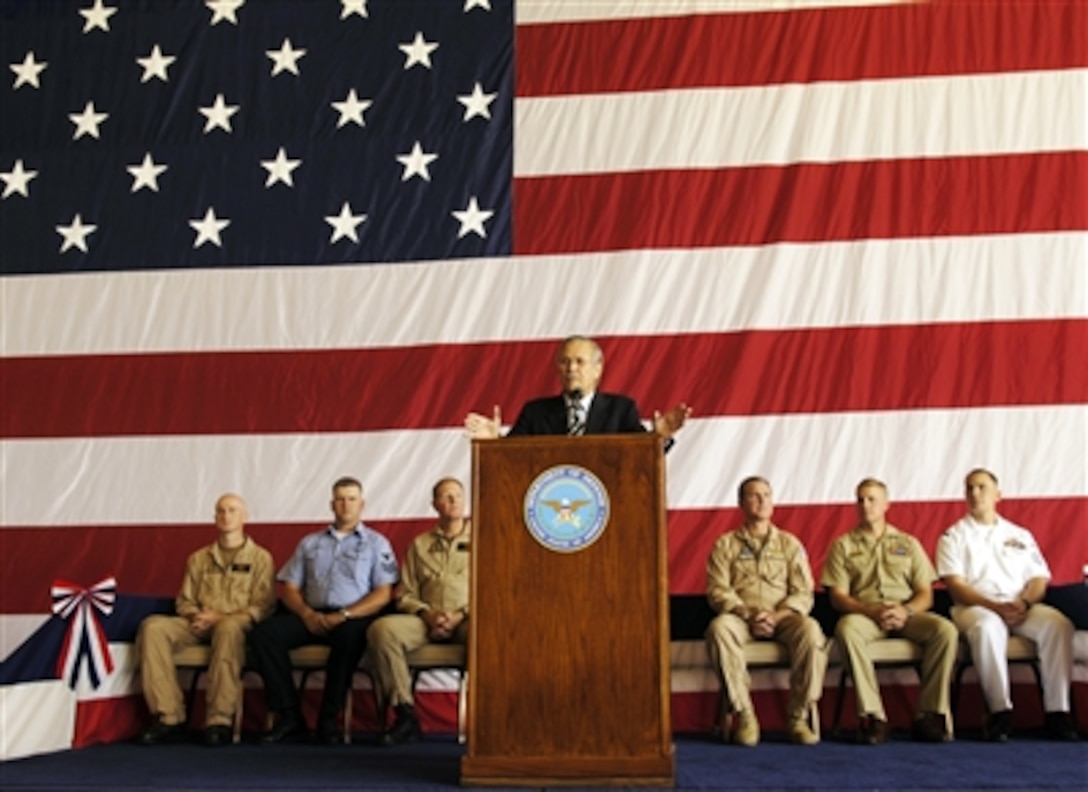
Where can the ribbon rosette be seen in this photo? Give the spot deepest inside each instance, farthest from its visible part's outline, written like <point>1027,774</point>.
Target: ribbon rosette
<point>85,636</point>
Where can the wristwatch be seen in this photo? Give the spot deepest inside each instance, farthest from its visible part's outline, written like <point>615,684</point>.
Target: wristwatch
<point>346,614</point>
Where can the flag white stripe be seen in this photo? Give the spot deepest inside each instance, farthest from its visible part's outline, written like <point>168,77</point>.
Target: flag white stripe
<point>552,11</point>
<point>285,477</point>
<point>14,630</point>
<point>900,447</point>
<point>124,681</point>
<point>706,290</point>
<point>916,117</point>
<point>50,721</point>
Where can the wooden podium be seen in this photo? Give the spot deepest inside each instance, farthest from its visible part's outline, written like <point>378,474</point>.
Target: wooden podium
<point>568,652</point>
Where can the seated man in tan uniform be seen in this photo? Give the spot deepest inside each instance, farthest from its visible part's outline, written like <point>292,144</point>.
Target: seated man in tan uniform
<point>229,586</point>
<point>433,605</point>
<point>760,583</point>
<point>881,580</point>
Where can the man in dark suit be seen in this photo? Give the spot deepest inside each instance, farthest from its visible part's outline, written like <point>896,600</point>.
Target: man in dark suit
<point>580,408</point>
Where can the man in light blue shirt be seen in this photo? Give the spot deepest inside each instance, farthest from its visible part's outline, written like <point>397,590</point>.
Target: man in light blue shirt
<point>334,586</point>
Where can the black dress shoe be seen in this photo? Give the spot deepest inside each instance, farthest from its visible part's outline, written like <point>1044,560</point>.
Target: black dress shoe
<point>872,730</point>
<point>158,733</point>
<point>998,726</point>
<point>405,729</point>
<point>1059,726</point>
<point>218,735</point>
<point>289,727</point>
<point>930,727</point>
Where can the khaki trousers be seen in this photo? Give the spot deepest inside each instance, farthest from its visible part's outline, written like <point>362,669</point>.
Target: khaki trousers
<point>389,640</point>
<point>804,640</point>
<point>938,639</point>
<point>157,641</point>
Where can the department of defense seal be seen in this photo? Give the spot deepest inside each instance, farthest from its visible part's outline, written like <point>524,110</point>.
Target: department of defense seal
<point>566,508</point>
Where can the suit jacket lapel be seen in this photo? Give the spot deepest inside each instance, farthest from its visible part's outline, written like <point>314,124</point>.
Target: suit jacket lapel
<point>557,416</point>
<point>596,418</point>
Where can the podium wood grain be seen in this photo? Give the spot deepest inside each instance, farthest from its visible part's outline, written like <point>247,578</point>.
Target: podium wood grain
<point>568,652</point>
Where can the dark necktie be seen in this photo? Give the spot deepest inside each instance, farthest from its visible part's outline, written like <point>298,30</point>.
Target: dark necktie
<point>576,417</point>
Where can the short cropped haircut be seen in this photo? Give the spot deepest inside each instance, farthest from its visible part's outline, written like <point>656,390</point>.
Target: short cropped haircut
<point>984,472</point>
<point>746,482</point>
<point>445,480</point>
<point>871,482</point>
<point>347,481</point>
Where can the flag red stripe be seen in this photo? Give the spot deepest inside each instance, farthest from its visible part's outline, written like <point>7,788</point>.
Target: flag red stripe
<point>799,46</point>
<point>149,559</point>
<point>145,559</point>
<point>882,199</point>
<point>108,720</point>
<point>831,370</point>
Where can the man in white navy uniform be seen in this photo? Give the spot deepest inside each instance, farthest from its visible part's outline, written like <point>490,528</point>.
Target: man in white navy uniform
<point>997,577</point>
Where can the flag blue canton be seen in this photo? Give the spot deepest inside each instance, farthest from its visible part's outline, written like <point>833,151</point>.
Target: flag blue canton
<point>322,169</point>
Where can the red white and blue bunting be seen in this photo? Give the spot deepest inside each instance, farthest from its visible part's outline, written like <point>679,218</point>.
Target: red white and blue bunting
<point>85,636</point>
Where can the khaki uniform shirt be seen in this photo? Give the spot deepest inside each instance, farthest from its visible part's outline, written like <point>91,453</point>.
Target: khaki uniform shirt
<point>245,585</point>
<point>766,575</point>
<point>889,569</point>
<point>435,572</point>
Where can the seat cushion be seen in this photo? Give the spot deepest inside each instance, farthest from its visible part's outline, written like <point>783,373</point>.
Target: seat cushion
<point>438,655</point>
<point>310,656</point>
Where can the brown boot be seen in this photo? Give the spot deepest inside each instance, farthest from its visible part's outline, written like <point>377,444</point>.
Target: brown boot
<point>801,734</point>
<point>746,732</point>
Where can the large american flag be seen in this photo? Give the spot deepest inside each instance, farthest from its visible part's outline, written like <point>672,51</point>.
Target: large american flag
<point>254,246</point>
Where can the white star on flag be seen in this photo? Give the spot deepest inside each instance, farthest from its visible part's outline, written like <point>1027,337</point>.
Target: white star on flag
<point>285,58</point>
<point>415,163</point>
<point>351,109</point>
<point>343,224</point>
<point>16,180</point>
<point>97,16</point>
<point>208,228</point>
<point>26,73</point>
<point>352,7</point>
<point>224,10</point>
<point>87,122</point>
<point>477,103</point>
<point>218,114</point>
<point>280,168</point>
<point>471,4</point>
<point>75,234</point>
<point>472,219</point>
<point>155,65</point>
<point>146,174</point>
<point>419,51</point>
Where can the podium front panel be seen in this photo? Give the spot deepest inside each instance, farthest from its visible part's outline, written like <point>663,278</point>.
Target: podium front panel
<point>568,648</point>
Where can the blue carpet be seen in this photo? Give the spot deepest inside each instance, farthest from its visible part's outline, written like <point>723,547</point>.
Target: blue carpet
<point>1025,763</point>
